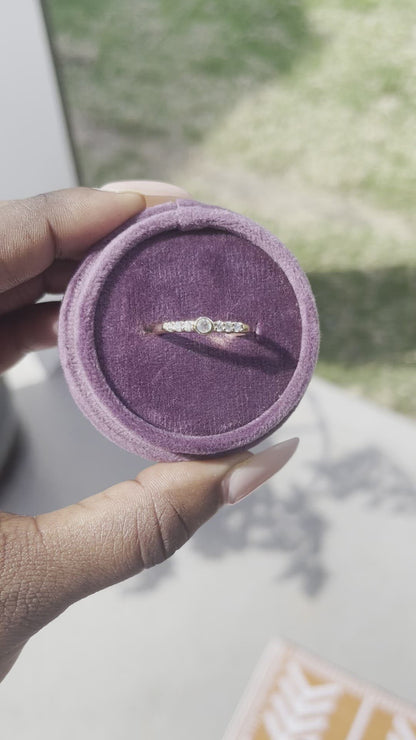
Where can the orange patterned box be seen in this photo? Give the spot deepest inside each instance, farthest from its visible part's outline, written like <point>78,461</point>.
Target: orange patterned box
<point>295,696</point>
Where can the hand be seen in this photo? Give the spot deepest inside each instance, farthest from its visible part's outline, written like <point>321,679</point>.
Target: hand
<point>49,561</point>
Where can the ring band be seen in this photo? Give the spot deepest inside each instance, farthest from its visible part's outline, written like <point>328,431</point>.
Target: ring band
<point>201,325</point>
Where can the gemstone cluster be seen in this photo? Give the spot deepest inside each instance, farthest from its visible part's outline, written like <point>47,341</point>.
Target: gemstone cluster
<point>204,325</point>
<point>228,326</point>
<point>178,325</point>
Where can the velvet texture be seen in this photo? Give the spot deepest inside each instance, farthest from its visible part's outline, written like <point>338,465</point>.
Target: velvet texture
<point>178,396</point>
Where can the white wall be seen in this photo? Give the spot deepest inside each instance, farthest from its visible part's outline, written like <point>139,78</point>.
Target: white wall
<point>35,153</point>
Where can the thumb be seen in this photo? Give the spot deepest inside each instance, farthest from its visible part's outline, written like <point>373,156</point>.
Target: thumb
<point>54,559</point>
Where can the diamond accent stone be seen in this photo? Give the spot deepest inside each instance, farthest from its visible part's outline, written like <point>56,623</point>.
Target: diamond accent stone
<point>204,325</point>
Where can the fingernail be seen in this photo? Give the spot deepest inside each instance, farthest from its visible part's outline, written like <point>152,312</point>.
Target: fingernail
<point>153,192</point>
<point>137,198</point>
<point>248,475</point>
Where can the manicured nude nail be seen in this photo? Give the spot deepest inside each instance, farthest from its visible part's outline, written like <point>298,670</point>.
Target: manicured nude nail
<point>248,475</point>
<point>135,196</point>
<point>153,192</point>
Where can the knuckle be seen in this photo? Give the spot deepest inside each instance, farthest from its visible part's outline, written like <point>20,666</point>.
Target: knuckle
<point>23,227</point>
<point>22,593</point>
<point>45,204</point>
<point>164,530</point>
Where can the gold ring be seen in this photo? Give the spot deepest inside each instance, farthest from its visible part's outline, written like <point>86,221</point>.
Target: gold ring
<point>201,325</point>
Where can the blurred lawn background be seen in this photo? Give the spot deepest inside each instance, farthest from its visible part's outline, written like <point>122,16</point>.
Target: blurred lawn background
<point>299,114</point>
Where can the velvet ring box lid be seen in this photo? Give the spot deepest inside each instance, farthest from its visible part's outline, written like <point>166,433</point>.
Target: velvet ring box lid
<point>176,396</point>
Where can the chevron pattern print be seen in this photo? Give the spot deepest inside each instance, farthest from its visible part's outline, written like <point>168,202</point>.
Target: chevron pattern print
<point>400,730</point>
<point>299,710</point>
<point>296,696</point>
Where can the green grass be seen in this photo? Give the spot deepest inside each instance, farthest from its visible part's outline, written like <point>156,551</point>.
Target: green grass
<point>299,114</point>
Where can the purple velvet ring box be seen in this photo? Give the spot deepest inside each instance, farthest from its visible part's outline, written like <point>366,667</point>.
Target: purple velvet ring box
<point>175,396</point>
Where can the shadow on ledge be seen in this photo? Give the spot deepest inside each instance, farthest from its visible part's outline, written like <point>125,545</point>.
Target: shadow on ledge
<point>293,530</point>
